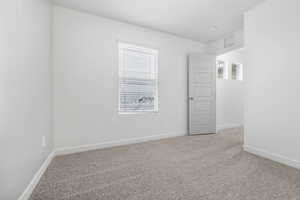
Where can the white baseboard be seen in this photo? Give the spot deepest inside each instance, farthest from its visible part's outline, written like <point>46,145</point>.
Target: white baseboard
<point>227,126</point>
<point>82,148</point>
<point>271,156</point>
<point>29,189</point>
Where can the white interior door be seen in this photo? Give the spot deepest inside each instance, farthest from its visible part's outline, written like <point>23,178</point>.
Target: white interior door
<point>202,93</point>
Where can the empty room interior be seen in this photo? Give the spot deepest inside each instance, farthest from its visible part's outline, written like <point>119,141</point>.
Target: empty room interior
<point>149,100</point>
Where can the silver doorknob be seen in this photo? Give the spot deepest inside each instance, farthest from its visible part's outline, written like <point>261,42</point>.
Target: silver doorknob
<point>191,98</point>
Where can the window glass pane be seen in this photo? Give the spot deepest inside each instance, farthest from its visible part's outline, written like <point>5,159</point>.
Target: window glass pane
<point>234,72</point>
<point>137,94</point>
<point>221,70</point>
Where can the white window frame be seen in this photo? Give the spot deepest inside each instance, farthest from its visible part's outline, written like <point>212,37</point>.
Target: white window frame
<point>148,50</point>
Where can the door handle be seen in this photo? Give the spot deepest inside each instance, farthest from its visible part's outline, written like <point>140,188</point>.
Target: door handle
<point>191,98</point>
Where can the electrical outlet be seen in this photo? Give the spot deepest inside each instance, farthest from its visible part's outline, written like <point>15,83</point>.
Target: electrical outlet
<point>44,141</point>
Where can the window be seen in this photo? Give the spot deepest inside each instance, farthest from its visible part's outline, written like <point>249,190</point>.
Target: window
<point>229,70</point>
<point>221,70</point>
<point>137,79</point>
<point>236,72</point>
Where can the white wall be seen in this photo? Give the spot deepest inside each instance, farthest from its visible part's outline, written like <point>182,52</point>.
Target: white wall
<point>25,92</point>
<point>272,80</point>
<point>86,80</point>
<point>230,96</point>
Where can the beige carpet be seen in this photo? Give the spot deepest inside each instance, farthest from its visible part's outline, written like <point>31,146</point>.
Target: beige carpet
<point>208,167</point>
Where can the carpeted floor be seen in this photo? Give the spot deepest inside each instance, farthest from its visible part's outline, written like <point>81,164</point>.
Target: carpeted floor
<point>207,167</point>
